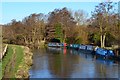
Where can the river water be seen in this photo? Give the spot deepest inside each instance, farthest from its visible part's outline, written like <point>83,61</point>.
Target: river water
<point>69,63</point>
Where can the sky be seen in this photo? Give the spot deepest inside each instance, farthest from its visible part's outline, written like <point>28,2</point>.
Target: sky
<point>19,10</point>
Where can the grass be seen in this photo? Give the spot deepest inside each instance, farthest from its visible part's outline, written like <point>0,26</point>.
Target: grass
<point>19,57</point>
<point>5,61</point>
<point>0,70</point>
<point>18,60</point>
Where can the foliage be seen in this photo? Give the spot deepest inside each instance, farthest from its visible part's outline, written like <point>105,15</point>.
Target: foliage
<point>59,32</point>
<point>67,26</point>
<point>65,19</point>
<point>102,18</point>
<point>81,35</point>
<point>94,38</point>
<point>110,39</point>
<point>28,31</point>
<point>78,40</point>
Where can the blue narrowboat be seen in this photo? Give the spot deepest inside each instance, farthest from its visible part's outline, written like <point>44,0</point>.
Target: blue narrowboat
<point>90,47</point>
<point>74,46</point>
<point>104,52</point>
<point>83,47</point>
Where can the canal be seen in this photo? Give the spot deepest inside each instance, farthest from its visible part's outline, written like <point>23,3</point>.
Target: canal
<point>69,63</point>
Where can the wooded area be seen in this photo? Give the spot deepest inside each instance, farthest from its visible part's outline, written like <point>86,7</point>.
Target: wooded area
<point>102,28</point>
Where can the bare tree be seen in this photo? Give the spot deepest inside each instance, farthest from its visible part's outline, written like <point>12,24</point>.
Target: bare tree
<point>80,17</point>
<point>101,16</point>
<point>35,27</point>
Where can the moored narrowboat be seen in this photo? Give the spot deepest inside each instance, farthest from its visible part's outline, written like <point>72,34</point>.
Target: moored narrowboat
<point>54,44</point>
<point>104,52</point>
<point>57,44</point>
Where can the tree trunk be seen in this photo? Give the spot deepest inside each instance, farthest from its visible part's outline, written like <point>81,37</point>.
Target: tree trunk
<point>101,40</point>
<point>64,38</point>
<point>26,42</point>
<point>101,36</point>
<point>104,36</point>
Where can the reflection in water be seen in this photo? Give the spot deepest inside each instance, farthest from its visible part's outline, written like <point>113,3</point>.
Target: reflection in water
<point>62,62</point>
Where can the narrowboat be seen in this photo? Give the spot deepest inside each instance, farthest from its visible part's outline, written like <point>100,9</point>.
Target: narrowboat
<point>104,52</point>
<point>74,46</point>
<point>57,44</point>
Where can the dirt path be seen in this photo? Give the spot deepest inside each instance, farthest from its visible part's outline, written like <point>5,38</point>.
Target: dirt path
<point>9,70</point>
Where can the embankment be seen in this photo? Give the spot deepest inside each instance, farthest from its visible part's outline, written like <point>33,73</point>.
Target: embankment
<point>17,62</point>
<point>23,69</point>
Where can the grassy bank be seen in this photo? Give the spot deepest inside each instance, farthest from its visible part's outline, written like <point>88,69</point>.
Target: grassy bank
<point>13,61</point>
<point>5,60</point>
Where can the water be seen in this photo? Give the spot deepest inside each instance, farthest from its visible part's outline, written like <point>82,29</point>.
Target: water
<point>68,63</point>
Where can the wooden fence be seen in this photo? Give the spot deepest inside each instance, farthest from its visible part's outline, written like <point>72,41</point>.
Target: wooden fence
<point>3,52</point>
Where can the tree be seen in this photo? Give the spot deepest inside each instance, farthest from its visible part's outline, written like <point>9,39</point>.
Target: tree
<point>13,30</point>
<point>34,28</point>
<point>59,32</point>
<point>64,18</point>
<point>101,19</point>
<point>30,31</point>
<point>81,36</point>
<point>80,17</point>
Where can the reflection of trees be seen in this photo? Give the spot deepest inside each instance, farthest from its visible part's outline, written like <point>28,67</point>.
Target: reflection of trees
<point>72,64</point>
<point>62,65</point>
<point>100,69</point>
<point>106,69</point>
<point>91,69</point>
<point>39,60</point>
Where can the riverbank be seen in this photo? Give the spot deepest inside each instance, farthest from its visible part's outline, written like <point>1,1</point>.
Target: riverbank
<point>17,62</point>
